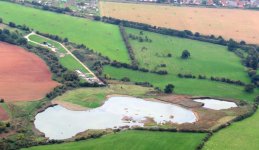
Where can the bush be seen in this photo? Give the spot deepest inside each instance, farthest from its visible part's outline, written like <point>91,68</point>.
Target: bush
<point>185,54</point>
<point>249,88</point>
<point>1,100</point>
<point>169,88</point>
<point>125,79</point>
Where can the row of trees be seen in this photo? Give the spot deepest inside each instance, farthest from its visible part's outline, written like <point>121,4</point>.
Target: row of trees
<point>219,79</point>
<point>128,46</point>
<point>140,38</point>
<point>12,37</point>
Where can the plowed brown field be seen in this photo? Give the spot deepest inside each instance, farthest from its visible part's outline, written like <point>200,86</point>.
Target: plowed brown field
<point>229,23</point>
<point>23,75</point>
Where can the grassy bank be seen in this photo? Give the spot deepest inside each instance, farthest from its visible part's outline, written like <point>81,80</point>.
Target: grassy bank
<point>133,140</point>
<point>94,97</point>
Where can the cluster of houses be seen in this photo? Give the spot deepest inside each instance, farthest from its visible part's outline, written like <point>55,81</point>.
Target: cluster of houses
<point>216,3</point>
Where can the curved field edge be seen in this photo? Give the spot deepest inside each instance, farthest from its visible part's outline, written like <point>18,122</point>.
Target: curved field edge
<point>101,37</point>
<point>95,97</point>
<point>134,140</point>
<point>194,87</point>
<point>238,136</point>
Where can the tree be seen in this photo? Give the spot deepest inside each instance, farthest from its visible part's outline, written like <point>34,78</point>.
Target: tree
<point>1,100</point>
<point>11,24</point>
<point>169,88</point>
<point>249,88</point>
<point>1,20</point>
<point>169,55</point>
<point>185,54</point>
<point>125,79</point>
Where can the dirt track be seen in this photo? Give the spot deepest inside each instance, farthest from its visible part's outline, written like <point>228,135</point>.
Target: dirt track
<point>23,75</point>
<point>229,23</point>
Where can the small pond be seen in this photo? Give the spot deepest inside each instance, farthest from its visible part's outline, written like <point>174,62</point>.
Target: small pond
<point>60,123</point>
<point>216,104</point>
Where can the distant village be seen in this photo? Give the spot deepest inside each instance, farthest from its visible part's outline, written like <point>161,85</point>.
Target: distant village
<point>215,3</point>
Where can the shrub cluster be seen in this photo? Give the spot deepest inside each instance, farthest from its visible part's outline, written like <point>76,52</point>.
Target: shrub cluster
<point>140,38</point>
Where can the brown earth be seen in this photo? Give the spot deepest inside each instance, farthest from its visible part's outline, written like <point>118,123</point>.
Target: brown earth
<point>229,23</point>
<point>23,75</point>
<point>3,114</point>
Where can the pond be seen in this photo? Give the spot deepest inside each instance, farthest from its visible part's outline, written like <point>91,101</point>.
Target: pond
<point>216,104</point>
<point>60,123</point>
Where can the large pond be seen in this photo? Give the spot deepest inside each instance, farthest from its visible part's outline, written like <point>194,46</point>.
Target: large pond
<point>60,123</point>
<point>216,104</point>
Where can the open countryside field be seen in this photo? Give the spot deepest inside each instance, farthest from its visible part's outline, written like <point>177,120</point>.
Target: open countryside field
<point>229,23</point>
<point>206,58</point>
<point>193,87</point>
<point>134,140</point>
<point>23,75</point>
<point>239,136</point>
<point>101,37</point>
<point>94,97</point>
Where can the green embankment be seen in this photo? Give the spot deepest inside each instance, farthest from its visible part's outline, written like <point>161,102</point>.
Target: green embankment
<point>133,140</point>
<point>241,135</point>
<point>103,38</point>
<point>94,97</point>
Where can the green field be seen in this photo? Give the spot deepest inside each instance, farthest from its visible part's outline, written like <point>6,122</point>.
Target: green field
<point>193,87</point>
<point>40,40</point>
<point>206,58</point>
<point>94,97</point>
<point>134,140</point>
<point>241,135</point>
<point>72,64</point>
<point>101,37</point>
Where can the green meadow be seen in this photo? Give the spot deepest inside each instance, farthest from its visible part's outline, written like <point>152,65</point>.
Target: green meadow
<point>71,63</point>
<point>101,37</point>
<point>241,135</point>
<point>193,87</point>
<point>206,58</point>
<point>133,140</point>
<point>95,97</point>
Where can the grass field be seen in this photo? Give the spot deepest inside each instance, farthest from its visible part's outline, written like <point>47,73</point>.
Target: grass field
<point>229,23</point>
<point>40,40</point>
<point>134,140</point>
<point>103,38</point>
<point>184,86</point>
<point>94,97</point>
<point>70,62</point>
<point>239,136</point>
<point>206,58</point>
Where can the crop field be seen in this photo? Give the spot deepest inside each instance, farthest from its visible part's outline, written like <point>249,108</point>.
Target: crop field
<point>239,136</point>
<point>229,23</point>
<point>206,58</point>
<point>94,97</point>
<point>134,140</point>
<point>193,87</point>
<point>101,37</point>
<point>23,75</point>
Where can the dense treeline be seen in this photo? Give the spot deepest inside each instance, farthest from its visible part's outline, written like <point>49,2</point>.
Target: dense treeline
<point>128,46</point>
<point>218,79</point>
<point>12,37</point>
<point>49,8</point>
